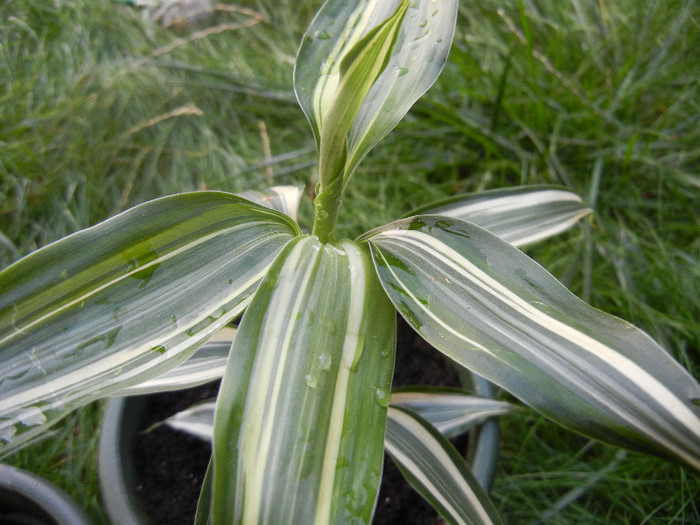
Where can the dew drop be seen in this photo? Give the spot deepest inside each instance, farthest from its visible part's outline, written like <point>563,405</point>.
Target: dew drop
<point>382,397</point>
<point>402,71</point>
<point>323,35</point>
<point>423,23</point>
<point>323,214</point>
<point>32,416</point>
<point>325,361</point>
<point>311,381</point>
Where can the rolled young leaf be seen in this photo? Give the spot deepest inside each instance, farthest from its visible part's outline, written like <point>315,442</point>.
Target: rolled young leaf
<point>418,56</point>
<point>119,303</point>
<point>300,419</point>
<point>519,215</point>
<point>495,311</point>
<point>436,470</point>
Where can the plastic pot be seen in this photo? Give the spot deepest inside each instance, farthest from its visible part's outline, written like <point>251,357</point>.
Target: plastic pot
<point>27,499</point>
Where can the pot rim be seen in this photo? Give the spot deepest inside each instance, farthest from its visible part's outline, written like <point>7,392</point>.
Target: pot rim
<point>28,488</point>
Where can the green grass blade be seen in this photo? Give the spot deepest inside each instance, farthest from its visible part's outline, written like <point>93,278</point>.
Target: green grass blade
<point>119,303</point>
<point>494,310</point>
<point>436,470</point>
<point>519,215</point>
<point>299,427</point>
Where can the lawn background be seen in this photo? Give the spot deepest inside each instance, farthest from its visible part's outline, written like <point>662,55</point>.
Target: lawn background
<point>102,109</point>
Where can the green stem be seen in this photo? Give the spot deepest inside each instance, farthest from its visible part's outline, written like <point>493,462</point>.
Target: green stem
<point>327,205</point>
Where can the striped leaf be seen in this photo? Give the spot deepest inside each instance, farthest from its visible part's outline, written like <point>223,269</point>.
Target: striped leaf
<point>299,427</point>
<point>196,420</point>
<point>519,215</point>
<point>436,470</point>
<point>207,364</point>
<point>119,303</point>
<point>281,198</point>
<point>417,58</point>
<point>495,311</point>
<point>451,412</point>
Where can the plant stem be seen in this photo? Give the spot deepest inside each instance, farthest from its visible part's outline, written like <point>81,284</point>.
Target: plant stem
<point>327,204</point>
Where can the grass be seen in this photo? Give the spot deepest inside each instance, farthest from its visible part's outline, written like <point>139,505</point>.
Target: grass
<point>102,110</point>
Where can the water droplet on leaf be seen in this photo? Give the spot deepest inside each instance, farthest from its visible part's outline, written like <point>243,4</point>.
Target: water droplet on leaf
<point>311,381</point>
<point>382,397</point>
<point>325,361</point>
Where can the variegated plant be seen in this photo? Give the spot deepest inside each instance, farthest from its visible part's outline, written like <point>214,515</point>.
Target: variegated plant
<point>304,410</point>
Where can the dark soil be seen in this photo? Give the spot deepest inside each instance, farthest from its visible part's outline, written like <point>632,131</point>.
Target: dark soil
<point>170,465</point>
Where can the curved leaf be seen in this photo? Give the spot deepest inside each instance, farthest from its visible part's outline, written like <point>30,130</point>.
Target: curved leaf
<point>207,364</point>
<point>436,470</point>
<point>519,215</point>
<point>119,303</point>
<point>196,420</point>
<point>497,312</point>
<point>451,412</point>
<point>284,199</point>
<point>418,56</point>
<point>299,427</point>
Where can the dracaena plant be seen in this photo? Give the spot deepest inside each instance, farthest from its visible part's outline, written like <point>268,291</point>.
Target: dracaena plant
<point>303,412</point>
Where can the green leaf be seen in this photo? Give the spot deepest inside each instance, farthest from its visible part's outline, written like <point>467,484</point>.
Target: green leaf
<point>451,412</point>
<point>300,418</point>
<point>520,215</point>
<point>495,311</point>
<point>417,58</point>
<point>119,303</point>
<point>436,470</point>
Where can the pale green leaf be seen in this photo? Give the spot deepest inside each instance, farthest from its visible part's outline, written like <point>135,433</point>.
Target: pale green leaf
<point>196,420</point>
<point>284,199</point>
<point>301,413</point>
<point>520,215</point>
<point>207,364</point>
<point>495,311</point>
<point>119,303</point>
<point>436,470</point>
<point>451,412</point>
